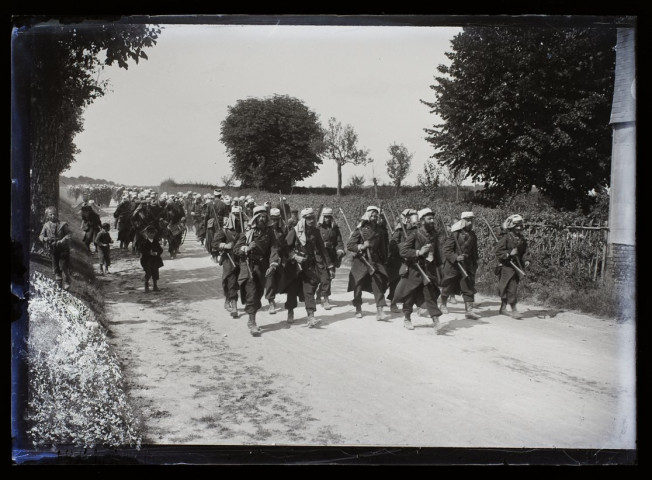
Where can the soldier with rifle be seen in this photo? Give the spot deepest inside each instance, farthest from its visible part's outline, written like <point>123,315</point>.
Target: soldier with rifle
<point>396,265</point>
<point>511,251</point>
<point>214,216</point>
<point>277,280</point>
<point>257,251</point>
<point>422,256</point>
<point>332,237</point>
<point>368,273</point>
<point>307,250</point>
<point>222,249</point>
<point>460,252</point>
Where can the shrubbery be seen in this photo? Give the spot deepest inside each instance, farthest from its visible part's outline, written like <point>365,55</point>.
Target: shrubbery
<point>76,389</point>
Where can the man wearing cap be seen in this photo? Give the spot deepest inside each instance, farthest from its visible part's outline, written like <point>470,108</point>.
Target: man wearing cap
<point>332,238</point>
<point>368,272</point>
<point>223,245</point>
<point>460,253</point>
<point>307,250</point>
<point>277,280</point>
<point>422,255</point>
<point>257,250</point>
<point>395,264</point>
<point>511,250</point>
<point>214,216</point>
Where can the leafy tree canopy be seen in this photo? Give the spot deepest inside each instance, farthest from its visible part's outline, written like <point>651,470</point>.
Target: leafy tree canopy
<point>524,106</point>
<point>272,142</point>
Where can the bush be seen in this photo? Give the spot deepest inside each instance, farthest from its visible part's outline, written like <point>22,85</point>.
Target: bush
<point>76,391</point>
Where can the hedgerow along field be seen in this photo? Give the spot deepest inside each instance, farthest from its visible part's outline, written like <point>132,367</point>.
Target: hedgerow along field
<point>567,249</point>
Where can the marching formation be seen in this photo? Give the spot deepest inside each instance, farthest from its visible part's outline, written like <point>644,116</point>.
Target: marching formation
<point>267,250</point>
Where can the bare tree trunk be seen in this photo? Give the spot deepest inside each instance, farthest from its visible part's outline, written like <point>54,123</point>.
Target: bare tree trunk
<point>339,179</point>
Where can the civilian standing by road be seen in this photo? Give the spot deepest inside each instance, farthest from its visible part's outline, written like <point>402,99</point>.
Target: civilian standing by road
<point>103,243</point>
<point>55,236</point>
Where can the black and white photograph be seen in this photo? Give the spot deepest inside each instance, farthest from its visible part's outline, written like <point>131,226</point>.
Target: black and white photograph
<point>329,239</point>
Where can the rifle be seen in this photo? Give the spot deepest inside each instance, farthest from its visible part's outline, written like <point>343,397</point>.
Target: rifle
<point>246,259</point>
<point>464,274</point>
<point>228,255</point>
<point>426,279</point>
<point>372,270</point>
<point>283,212</point>
<point>518,270</point>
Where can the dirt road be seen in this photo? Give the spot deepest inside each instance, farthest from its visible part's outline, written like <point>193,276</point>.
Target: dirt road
<point>199,377</point>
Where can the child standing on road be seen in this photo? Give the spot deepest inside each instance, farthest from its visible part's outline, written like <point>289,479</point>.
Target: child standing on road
<point>103,243</point>
<point>150,257</point>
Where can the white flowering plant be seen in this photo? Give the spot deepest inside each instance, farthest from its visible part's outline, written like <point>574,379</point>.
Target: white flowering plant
<point>76,389</point>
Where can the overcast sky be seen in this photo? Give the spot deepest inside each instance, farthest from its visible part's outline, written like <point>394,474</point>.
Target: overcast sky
<point>161,119</point>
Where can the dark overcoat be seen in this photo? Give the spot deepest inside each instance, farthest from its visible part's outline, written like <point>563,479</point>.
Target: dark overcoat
<point>505,245</point>
<point>376,255</point>
<point>411,276</point>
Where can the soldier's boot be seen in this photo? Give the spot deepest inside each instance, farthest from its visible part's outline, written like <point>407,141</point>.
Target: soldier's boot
<point>101,269</point>
<point>251,324</point>
<point>380,314</point>
<point>155,286</point>
<point>469,311</point>
<point>146,286</point>
<point>443,307</point>
<point>435,323</point>
<point>234,310</point>
<point>326,305</point>
<point>422,312</point>
<point>227,305</point>
<point>318,299</point>
<point>515,313</point>
<point>311,320</point>
<point>290,319</point>
<point>394,308</point>
<point>407,322</point>
<point>503,308</point>
<point>358,312</point>
<point>453,300</point>
<point>272,307</point>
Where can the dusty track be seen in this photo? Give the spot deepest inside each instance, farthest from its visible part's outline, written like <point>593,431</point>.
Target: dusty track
<point>550,380</point>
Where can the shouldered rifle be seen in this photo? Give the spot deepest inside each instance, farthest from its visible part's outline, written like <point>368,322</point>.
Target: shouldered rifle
<point>518,270</point>
<point>283,212</point>
<point>426,279</point>
<point>228,255</point>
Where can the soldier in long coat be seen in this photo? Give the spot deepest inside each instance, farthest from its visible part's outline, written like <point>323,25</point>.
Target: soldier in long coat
<point>174,217</point>
<point>422,254</point>
<point>332,237</point>
<point>460,252</point>
<point>214,217</point>
<point>511,250</point>
<point>404,227</point>
<point>222,249</point>
<point>122,215</point>
<point>307,250</point>
<point>91,223</point>
<point>277,281</point>
<point>258,256</point>
<point>368,272</point>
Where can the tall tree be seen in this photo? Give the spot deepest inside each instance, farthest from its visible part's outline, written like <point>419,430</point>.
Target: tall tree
<point>398,166</point>
<point>341,144</point>
<point>65,62</point>
<point>272,142</point>
<point>524,106</point>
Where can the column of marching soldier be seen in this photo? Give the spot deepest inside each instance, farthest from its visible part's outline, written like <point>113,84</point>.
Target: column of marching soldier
<point>265,251</point>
